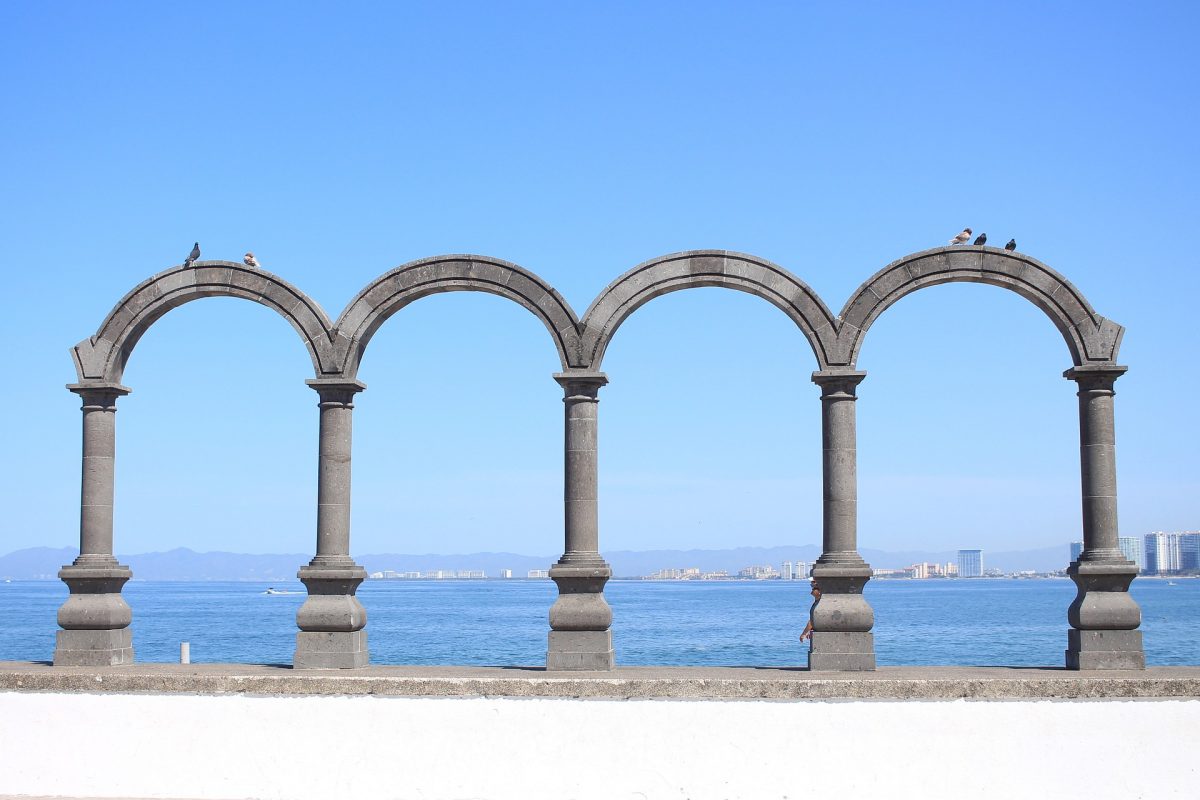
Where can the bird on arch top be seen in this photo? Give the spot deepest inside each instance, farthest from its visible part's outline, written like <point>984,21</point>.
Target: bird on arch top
<point>980,239</point>
<point>192,256</point>
<point>249,260</point>
<point>963,237</point>
<point>1012,245</point>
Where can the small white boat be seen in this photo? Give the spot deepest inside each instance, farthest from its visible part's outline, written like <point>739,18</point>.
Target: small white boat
<point>273,590</point>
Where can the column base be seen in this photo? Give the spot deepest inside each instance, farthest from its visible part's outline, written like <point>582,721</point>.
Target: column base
<point>841,651</point>
<point>110,648</point>
<point>580,650</point>
<point>331,650</point>
<point>1105,650</point>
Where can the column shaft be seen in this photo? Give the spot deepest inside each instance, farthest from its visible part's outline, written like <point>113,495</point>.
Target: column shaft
<point>839,465</point>
<point>842,619</point>
<point>580,619</point>
<point>1104,618</point>
<point>95,617</point>
<point>1098,468</point>
<point>333,477</point>
<point>580,474</point>
<point>96,496</point>
<point>332,620</point>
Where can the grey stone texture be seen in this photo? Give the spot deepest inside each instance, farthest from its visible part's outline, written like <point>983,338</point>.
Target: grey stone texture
<point>579,650</point>
<point>1089,336</point>
<point>843,651</point>
<point>837,340</point>
<point>332,619</point>
<point>622,683</point>
<point>1105,649</point>
<point>331,623</point>
<point>331,650</point>
<point>93,648</point>
<point>331,616</point>
<point>842,618</point>
<point>580,618</point>
<point>102,357</point>
<point>333,469</point>
<point>1104,615</point>
<point>95,617</point>
<point>336,348</point>
<point>392,291</point>
<point>95,602</point>
<point>686,270</point>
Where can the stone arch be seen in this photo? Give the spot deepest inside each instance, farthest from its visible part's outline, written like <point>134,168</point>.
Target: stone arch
<point>671,273</point>
<point>394,290</point>
<point>1090,337</point>
<point>102,357</point>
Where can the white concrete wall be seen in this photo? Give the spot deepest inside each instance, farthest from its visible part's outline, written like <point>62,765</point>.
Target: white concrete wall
<point>185,746</point>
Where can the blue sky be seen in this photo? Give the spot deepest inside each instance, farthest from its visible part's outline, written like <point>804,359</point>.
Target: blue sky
<point>578,140</point>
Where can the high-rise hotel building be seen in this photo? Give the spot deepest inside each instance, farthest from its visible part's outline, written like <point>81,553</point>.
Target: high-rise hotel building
<point>1189,550</point>
<point>1132,548</point>
<point>970,563</point>
<point>1168,553</point>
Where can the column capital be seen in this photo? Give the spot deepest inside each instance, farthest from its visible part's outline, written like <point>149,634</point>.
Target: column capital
<point>336,390</point>
<point>581,382</point>
<point>99,393</point>
<point>838,381</point>
<point>1095,376</point>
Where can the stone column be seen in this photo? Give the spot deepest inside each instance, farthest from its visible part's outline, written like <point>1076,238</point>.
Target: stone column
<point>580,638</point>
<point>842,619</point>
<point>332,620</point>
<point>1104,618</point>
<point>95,618</point>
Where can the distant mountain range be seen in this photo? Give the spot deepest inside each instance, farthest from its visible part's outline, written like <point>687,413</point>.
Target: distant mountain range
<point>182,564</point>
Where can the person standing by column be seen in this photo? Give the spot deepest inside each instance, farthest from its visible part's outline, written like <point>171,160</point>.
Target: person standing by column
<point>806,634</point>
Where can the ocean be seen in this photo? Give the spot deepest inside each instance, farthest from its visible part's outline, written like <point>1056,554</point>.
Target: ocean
<point>988,622</point>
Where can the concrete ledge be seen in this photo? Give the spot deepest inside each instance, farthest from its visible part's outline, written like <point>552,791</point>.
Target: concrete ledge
<point>623,683</point>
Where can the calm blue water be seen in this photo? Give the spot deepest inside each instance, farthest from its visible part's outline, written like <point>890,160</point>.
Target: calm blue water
<point>987,622</point>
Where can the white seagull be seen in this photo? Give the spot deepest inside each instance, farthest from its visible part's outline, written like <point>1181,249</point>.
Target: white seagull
<point>962,238</point>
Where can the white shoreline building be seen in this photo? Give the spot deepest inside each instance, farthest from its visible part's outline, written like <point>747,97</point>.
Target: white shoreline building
<point>1171,553</point>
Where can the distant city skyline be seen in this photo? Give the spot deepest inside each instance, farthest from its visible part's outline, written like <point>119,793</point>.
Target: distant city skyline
<point>721,564</point>
<point>1158,552</point>
<point>342,143</point>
